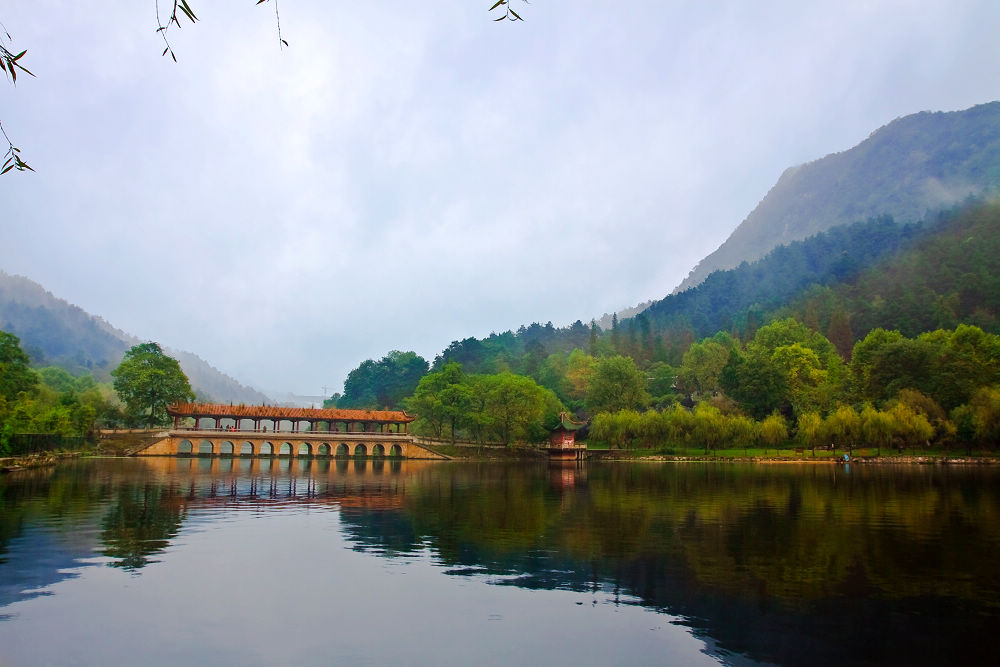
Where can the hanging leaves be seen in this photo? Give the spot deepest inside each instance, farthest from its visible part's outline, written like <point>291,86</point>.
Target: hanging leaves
<point>12,158</point>
<point>508,13</point>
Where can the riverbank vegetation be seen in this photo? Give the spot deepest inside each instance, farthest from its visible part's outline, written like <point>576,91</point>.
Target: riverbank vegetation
<point>876,335</point>
<point>49,409</point>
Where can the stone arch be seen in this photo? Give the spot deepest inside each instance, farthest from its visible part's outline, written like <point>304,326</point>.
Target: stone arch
<point>266,449</point>
<point>206,447</point>
<point>360,450</point>
<point>324,449</point>
<point>395,451</point>
<point>378,450</point>
<point>343,449</point>
<point>285,449</point>
<point>226,448</point>
<point>305,449</point>
<point>185,447</point>
<point>246,449</point>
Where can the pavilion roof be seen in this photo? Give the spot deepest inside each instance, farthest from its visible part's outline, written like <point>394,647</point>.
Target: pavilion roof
<point>241,411</point>
<point>567,424</point>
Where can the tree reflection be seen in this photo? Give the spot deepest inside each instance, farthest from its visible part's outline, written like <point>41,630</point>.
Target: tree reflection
<point>140,524</point>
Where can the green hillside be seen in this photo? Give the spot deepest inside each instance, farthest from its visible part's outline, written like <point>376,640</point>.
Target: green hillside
<point>914,165</point>
<point>56,333</point>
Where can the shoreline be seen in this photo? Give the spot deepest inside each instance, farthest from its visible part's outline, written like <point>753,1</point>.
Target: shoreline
<point>31,461</point>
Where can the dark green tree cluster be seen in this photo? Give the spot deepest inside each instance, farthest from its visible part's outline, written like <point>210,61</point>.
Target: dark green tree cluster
<point>502,407</point>
<point>384,383</point>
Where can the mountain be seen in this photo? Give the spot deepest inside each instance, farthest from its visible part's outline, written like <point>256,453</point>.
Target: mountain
<point>915,165</point>
<point>56,333</point>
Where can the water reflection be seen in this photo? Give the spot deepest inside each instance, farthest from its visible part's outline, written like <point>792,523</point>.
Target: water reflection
<point>791,564</point>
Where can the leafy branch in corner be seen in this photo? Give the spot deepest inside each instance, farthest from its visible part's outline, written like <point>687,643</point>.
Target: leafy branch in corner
<point>179,5</point>
<point>508,12</point>
<point>12,158</point>
<point>9,64</point>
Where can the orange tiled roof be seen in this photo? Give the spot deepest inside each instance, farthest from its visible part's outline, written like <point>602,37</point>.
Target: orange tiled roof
<point>273,412</point>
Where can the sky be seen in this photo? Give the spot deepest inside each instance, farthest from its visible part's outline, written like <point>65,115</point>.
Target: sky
<point>403,175</point>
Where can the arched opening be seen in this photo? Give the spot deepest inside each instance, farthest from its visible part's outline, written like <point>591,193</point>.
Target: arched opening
<point>324,449</point>
<point>285,449</point>
<point>396,451</point>
<point>267,449</point>
<point>246,449</point>
<point>226,448</point>
<point>205,447</point>
<point>185,447</point>
<point>360,450</point>
<point>342,449</point>
<point>305,449</point>
<point>378,450</point>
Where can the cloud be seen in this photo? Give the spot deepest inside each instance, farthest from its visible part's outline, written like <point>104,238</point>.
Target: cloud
<point>401,178</point>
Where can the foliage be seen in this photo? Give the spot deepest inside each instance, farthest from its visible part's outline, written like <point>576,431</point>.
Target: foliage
<point>735,299</point>
<point>15,374</point>
<point>383,383</point>
<point>502,407</point>
<point>617,384</point>
<point>50,400</point>
<point>147,381</point>
<point>703,363</point>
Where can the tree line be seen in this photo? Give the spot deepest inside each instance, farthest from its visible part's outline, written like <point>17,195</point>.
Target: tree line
<point>51,401</point>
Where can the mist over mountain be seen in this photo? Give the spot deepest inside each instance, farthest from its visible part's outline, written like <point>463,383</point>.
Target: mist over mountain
<point>54,332</point>
<point>915,165</point>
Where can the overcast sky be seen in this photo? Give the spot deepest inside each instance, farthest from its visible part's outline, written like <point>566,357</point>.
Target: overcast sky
<point>408,174</point>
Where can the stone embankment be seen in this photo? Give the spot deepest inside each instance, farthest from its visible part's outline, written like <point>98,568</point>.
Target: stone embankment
<point>15,463</point>
<point>612,455</point>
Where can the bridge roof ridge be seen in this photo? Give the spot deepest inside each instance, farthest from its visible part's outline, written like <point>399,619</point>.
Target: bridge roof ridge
<point>242,411</point>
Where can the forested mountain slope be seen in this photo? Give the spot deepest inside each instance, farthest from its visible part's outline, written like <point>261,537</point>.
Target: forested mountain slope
<point>842,282</point>
<point>738,300</point>
<point>914,165</point>
<point>57,333</point>
<point>945,278</point>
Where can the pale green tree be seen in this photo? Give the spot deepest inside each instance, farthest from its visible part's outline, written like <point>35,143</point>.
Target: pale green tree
<point>773,430</point>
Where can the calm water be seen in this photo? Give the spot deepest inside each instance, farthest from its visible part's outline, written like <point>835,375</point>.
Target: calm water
<point>201,561</point>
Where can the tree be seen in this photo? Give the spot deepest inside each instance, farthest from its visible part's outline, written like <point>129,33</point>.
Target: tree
<point>616,384</point>
<point>441,398</point>
<point>516,406</point>
<point>383,383</point>
<point>149,380</point>
<point>754,382</point>
<point>703,363</point>
<point>809,429</point>
<point>774,430</point>
<point>15,374</point>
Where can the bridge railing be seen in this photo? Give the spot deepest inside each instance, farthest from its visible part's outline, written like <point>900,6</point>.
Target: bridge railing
<point>228,429</point>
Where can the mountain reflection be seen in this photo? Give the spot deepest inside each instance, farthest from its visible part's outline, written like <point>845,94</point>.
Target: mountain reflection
<point>783,563</point>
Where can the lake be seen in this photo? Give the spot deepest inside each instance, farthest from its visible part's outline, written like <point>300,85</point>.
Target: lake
<point>317,562</point>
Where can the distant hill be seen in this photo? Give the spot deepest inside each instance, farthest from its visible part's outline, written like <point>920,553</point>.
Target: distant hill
<point>914,165</point>
<point>57,333</point>
<point>738,300</point>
